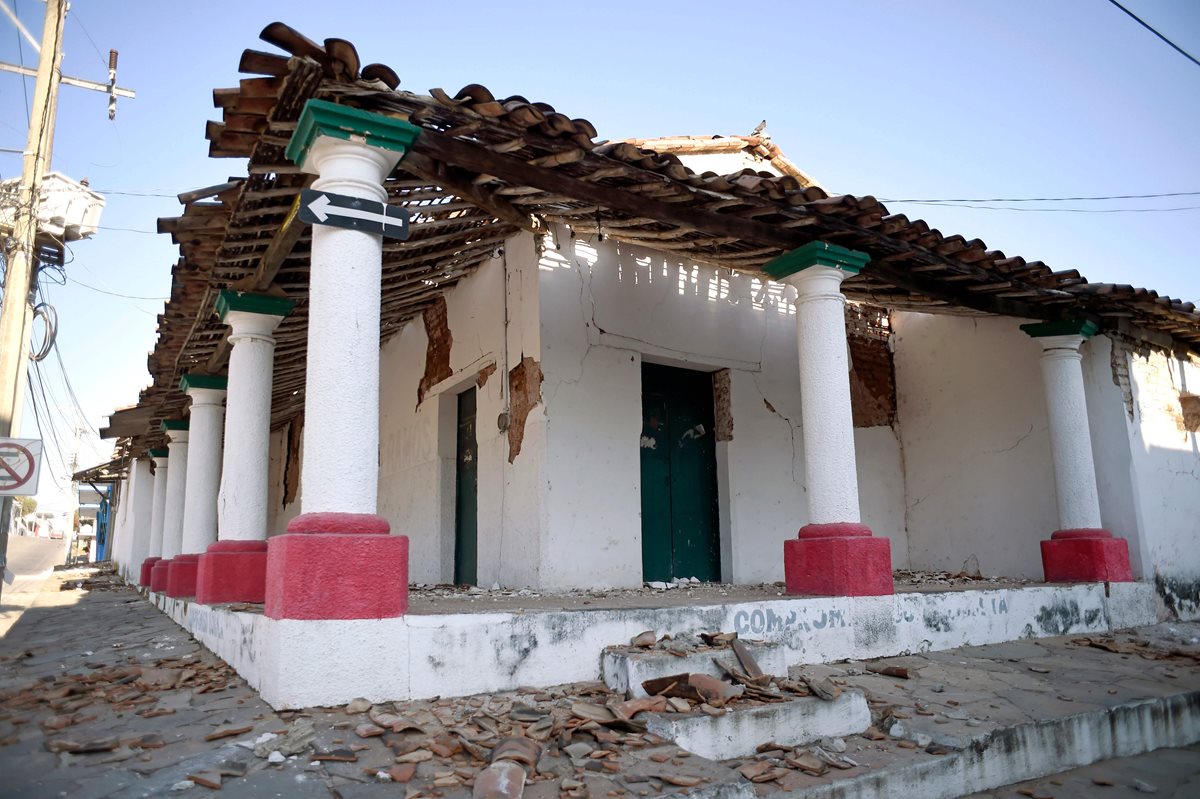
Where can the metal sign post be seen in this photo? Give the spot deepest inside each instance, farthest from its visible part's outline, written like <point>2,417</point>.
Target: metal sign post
<point>20,463</point>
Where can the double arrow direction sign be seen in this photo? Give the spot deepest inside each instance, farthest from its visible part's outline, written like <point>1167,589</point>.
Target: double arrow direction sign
<point>338,210</point>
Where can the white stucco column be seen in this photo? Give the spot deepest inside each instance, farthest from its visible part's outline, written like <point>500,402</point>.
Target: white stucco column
<point>1081,549</point>
<point>834,554</point>
<point>362,572</point>
<point>341,400</point>
<point>177,464</point>
<point>828,426</point>
<point>206,427</point>
<point>140,500</point>
<point>242,502</point>
<point>159,506</point>
<point>234,568</point>
<point>1070,438</point>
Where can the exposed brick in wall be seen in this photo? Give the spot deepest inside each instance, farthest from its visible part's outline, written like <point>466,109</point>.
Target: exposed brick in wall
<point>291,461</point>
<point>722,406</point>
<point>524,394</point>
<point>437,352</point>
<point>873,371</point>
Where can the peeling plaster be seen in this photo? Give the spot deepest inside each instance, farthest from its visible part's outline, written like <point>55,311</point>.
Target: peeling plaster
<point>437,353</point>
<point>525,393</point>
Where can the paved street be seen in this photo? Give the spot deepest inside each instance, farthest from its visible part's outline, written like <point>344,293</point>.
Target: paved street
<point>103,696</point>
<point>30,562</point>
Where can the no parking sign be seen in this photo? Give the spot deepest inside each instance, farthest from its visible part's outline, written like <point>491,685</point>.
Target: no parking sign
<point>20,462</point>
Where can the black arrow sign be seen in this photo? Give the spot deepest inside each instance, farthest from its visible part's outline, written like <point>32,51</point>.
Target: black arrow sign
<point>368,216</point>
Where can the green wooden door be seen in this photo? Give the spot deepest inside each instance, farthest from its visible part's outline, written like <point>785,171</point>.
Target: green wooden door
<point>680,535</point>
<point>466,505</point>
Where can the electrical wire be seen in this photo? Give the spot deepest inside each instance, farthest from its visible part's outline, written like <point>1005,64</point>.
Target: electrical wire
<point>1146,25</point>
<point>71,390</point>
<point>78,282</point>
<point>37,420</point>
<point>1048,210</point>
<point>21,61</point>
<point>1043,199</point>
<point>79,21</point>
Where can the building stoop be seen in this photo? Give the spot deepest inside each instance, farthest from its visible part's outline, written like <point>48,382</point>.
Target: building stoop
<point>300,663</point>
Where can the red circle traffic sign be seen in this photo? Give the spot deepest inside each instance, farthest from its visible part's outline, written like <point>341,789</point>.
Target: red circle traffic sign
<point>11,476</point>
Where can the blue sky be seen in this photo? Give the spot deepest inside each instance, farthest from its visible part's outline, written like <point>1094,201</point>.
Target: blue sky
<point>902,100</point>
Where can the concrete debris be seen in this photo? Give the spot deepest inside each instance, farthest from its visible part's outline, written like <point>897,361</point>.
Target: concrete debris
<point>297,739</point>
<point>646,639</point>
<point>358,706</point>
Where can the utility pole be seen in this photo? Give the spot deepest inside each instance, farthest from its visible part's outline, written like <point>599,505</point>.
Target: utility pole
<point>16,315</point>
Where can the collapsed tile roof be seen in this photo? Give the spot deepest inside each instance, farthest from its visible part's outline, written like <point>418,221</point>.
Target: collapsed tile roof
<point>485,167</point>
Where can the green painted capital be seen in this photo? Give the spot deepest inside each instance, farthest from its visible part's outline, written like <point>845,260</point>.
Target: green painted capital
<point>160,453</point>
<point>1068,328</point>
<point>203,381</point>
<point>816,253</point>
<point>265,304</point>
<point>323,118</point>
<point>168,425</point>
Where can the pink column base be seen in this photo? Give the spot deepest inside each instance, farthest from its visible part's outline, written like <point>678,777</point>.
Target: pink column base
<point>232,571</point>
<point>840,559</point>
<point>147,571</point>
<point>337,566</point>
<point>1086,556</point>
<point>181,577</point>
<point>158,575</point>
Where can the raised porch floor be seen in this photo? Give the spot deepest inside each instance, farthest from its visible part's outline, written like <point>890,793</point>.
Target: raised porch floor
<point>456,643</point>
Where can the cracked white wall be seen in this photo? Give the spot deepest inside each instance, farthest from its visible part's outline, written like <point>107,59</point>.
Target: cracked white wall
<point>972,415</point>
<point>1166,467</point>
<point>606,307</point>
<point>417,442</point>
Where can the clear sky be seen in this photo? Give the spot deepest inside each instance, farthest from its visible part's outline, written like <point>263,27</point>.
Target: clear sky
<point>902,100</point>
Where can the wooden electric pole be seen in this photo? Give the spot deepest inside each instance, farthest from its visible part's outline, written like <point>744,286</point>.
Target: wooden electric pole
<point>16,312</point>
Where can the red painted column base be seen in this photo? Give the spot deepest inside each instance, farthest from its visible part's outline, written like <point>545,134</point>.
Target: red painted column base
<point>1086,556</point>
<point>147,571</point>
<point>158,575</point>
<point>181,577</point>
<point>337,566</point>
<point>840,559</point>
<point>232,571</point>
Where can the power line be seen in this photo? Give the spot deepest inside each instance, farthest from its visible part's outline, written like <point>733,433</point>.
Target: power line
<point>943,204</point>
<point>77,282</point>
<point>1146,25</point>
<point>78,21</point>
<point>1047,199</point>
<point>21,61</point>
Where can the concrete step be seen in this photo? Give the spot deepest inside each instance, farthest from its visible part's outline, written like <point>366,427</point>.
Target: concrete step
<point>1009,754</point>
<point>737,733</point>
<point>625,668</point>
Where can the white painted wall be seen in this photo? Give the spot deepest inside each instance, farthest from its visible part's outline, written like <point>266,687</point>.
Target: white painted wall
<point>1166,469</point>
<point>417,442</point>
<point>976,450</point>
<point>607,306</point>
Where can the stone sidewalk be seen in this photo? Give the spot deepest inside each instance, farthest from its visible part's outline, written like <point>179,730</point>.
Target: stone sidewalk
<point>103,696</point>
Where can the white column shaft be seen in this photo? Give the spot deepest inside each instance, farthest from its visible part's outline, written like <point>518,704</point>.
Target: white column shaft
<point>828,434</point>
<point>141,496</point>
<point>177,465</point>
<point>242,506</point>
<point>158,509</point>
<point>1070,438</point>
<point>206,422</point>
<point>340,469</point>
